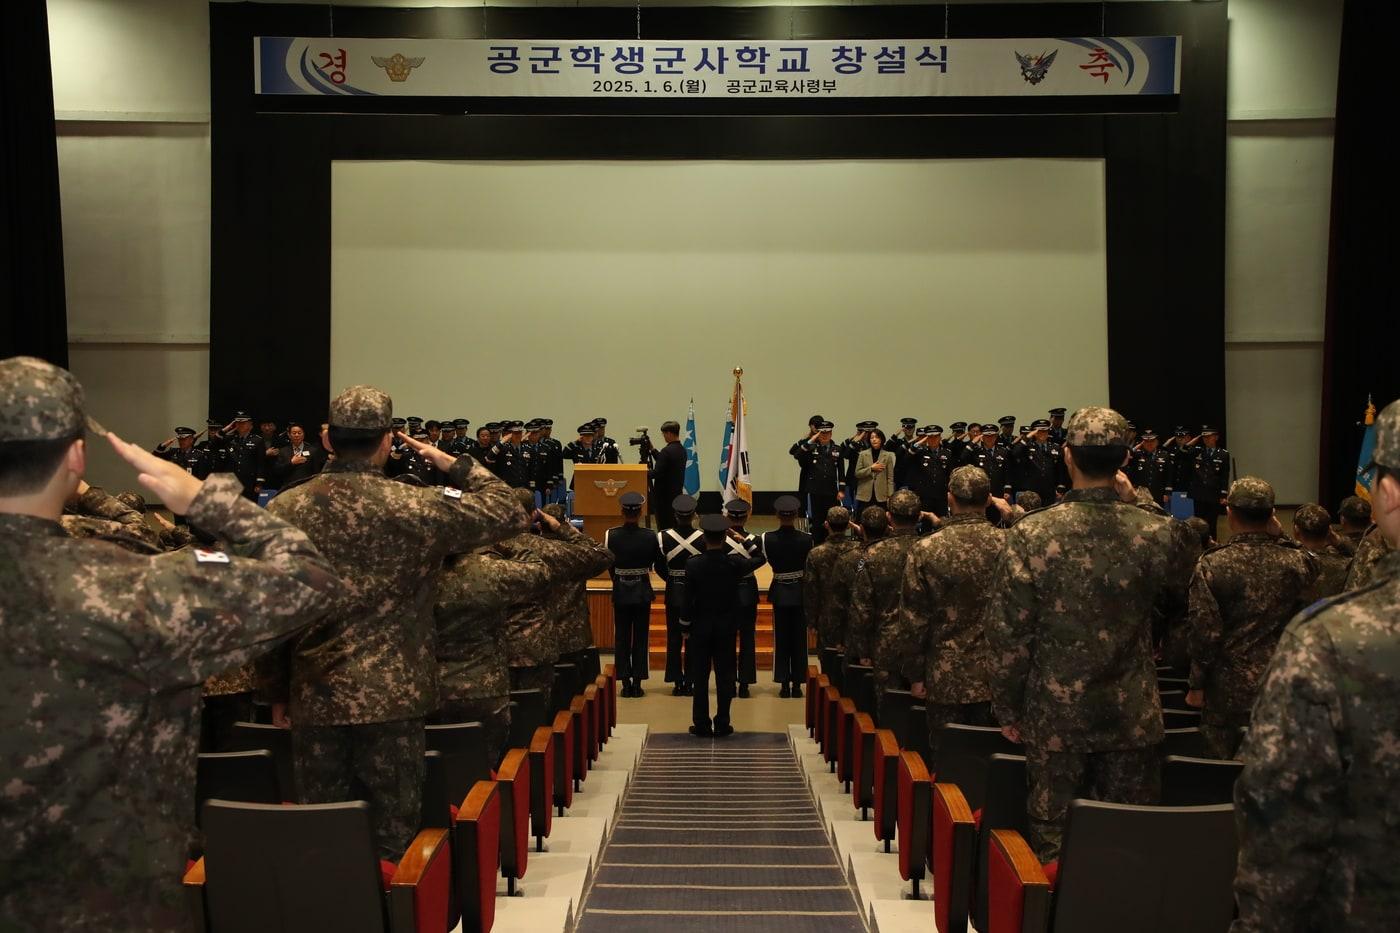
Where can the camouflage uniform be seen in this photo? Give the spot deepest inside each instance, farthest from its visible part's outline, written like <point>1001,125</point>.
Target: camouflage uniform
<point>819,599</point>
<point>360,685</point>
<point>1242,595</point>
<point>1333,562</point>
<point>938,637</point>
<point>102,656</point>
<point>570,599</point>
<point>840,592</point>
<point>1369,552</point>
<point>876,589</point>
<point>1069,622</point>
<point>95,514</point>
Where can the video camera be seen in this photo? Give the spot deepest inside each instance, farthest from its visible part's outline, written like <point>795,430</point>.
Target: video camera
<point>643,442</point>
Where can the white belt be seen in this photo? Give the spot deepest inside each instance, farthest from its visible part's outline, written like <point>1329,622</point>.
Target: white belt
<point>788,577</point>
<point>633,572</point>
<point>676,574</point>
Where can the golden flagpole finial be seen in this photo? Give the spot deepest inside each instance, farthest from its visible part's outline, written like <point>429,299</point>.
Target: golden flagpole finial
<point>738,371</point>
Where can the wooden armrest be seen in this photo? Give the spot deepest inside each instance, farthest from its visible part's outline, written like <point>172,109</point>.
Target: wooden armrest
<point>1018,893</point>
<point>477,800</point>
<point>195,874</point>
<point>832,694</point>
<point>823,681</point>
<point>590,692</point>
<point>847,706</point>
<point>421,852</point>
<point>954,801</point>
<point>1016,852</point>
<point>563,721</point>
<point>914,762</point>
<point>515,759</point>
<point>576,705</point>
<point>864,724</point>
<point>539,742</point>
<point>610,671</point>
<point>886,743</point>
<point>600,682</point>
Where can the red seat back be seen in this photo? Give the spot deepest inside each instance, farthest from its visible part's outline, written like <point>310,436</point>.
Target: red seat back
<point>514,780</point>
<point>913,822</point>
<point>541,782</point>
<point>476,850</point>
<point>885,784</point>
<point>563,759</point>
<point>951,855</point>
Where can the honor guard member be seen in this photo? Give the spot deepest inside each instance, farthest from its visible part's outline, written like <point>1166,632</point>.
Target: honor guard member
<point>635,552</point>
<point>1315,804</point>
<point>744,545</point>
<point>604,447</point>
<point>1210,476</point>
<point>184,454</point>
<point>710,623</point>
<point>1071,606</point>
<point>1151,467</point>
<point>243,454</point>
<point>850,452</point>
<point>822,463</point>
<point>1057,425</point>
<point>899,445</point>
<point>957,444</point>
<point>360,685</point>
<point>814,424</point>
<point>1243,593</point>
<point>530,452</point>
<point>930,465</point>
<point>678,544</point>
<point>786,551</point>
<point>991,458</point>
<point>103,654</point>
<point>1007,435</point>
<point>506,459</point>
<point>825,613</point>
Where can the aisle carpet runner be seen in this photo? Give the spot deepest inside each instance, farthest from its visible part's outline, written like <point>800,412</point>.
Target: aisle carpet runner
<point>719,835</point>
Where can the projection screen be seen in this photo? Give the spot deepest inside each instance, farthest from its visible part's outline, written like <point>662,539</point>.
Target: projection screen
<point>937,289</point>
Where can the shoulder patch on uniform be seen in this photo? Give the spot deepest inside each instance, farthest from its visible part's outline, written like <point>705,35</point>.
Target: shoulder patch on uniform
<point>202,556</point>
<point>452,492</point>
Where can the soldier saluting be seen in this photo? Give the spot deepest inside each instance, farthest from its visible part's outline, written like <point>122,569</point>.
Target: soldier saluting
<point>821,463</point>
<point>193,460</point>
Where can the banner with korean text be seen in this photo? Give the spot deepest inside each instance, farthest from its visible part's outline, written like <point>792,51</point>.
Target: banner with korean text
<point>1086,66</point>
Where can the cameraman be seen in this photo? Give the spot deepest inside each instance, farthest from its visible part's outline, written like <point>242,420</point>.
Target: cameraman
<point>667,475</point>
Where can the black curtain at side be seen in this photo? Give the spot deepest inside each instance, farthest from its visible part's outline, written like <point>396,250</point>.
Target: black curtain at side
<point>33,317</point>
<point>1362,349</point>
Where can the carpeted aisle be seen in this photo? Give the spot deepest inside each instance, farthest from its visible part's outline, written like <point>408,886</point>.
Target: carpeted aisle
<point>719,835</point>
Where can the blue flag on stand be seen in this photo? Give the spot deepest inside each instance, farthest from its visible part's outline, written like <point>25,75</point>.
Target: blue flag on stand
<point>692,459</point>
<point>1368,447</point>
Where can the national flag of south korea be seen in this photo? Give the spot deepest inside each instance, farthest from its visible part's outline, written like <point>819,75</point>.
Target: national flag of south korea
<point>734,478</point>
<point>692,457</point>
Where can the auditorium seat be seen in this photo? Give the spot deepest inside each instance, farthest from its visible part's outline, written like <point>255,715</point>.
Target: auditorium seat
<point>1173,699</point>
<point>578,722</point>
<point>916,738</point>
<point>588,661</point>
<point>863,764</point>
<point>1145,869</point>
<point>513,780</point>
<point>529,709</point>
<point>810,699</point>
<point>247,777</point>
<point>1003,807</point>
<point>437,802</point>
<point>280,867</point>
<point>893,714</point>
<point>251,736</point>
<point>831,704</point>
<point>466,758</point>
<point>815,701</point>
<point>963,753</point>
<point>610,672</point>
<point>860,687</point>
<point>1196,782</point>
<point>566,686</point>
<point>592,707</point>
<point>831,660</point>
<point>845,741</point>
<point>885,785</point>
<point>1186,743</point>
<point>605,712</point>
<point>951,849</point>
<point>1181,718</point>
<point>541,784</point>
<point>475,856</point>
<point>914,819</point>
<point>562,732</point>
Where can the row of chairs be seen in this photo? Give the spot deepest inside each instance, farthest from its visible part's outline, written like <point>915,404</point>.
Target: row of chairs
<point>962,819</point>
<point>267,864</point>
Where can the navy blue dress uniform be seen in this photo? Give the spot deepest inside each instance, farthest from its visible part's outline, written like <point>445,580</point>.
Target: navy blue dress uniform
<point>1057,426</point>
<point>413,464</point>
<point>737,511</point>
<point>581,450</point>
<point>814,425</point>
<point>1210,479</point>
<point>929,469</point>
<point>710,620</point>
<point>678,544</point>
<point>1151,469</point>
<point>786,551</point>
<point>958,443</point>
<point>822,463</point>
<point>244,455</point>
<point>461,443</point>
<point>635,552</point>
<point>193,460</point>
<point>551,463</point>
<point>1040,465</point>
<point>506,459</point>
<point>667,480</point>
<point>530,453</point>
<point>1183,461</point>
<point>900,444</point>
<point>994,460</point>
<point>1006,437</point>
<point>604,447</point>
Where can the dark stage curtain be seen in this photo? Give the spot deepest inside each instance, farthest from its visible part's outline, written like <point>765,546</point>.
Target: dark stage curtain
<point>33,318</point>
<point>1362,350</point>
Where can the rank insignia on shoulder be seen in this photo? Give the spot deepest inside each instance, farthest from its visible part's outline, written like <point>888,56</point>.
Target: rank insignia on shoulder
<point>452,492</point>
<point>202,556</point>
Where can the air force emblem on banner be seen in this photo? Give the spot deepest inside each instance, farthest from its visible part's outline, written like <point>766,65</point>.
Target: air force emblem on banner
<point>398,66</point>
<point>1033,67</point>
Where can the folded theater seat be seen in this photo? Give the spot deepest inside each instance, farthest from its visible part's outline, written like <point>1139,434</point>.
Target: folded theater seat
<point>1145,869</point>
<point>914,821</point>
<point>884,783</point>
<point>810,699</point>
<point>863,764</point>
<point>860,687</point>
<point>529,709</point>
<point>282,867</point>
<point>1197,782</point>
<point>893,715</point>
<point>247,777</point>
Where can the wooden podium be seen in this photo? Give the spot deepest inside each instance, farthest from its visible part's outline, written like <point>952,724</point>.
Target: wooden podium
<point>597,488</point>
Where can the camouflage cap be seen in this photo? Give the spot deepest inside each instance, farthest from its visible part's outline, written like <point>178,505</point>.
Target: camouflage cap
<point>362,407</point>
<point>969,484</point>
<point>132,500</point>
<point>905,504</point>
<point>38,401</point>
<point>1028,500</point>
<point>1250,492</point>
<point>838,516</point>
<point>1387,451</point>
<point>1096,427</point>
<point>1312,519</point>
<point>1355,510</point>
